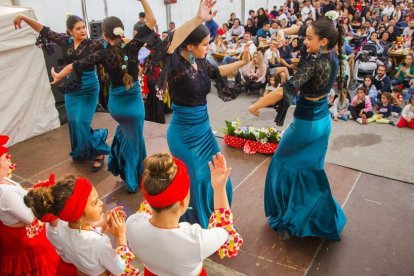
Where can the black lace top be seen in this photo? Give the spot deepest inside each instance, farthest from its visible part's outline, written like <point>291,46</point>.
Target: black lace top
<point>70,54</point>
<point>314,79</point>
<point>187,86</point>
<point>108,58</point>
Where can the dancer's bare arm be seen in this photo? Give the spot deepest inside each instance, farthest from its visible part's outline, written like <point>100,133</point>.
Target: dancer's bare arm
<point>204,14</point>
<point>149,15</point>
<point>230,68</point>
<point>30,21</point>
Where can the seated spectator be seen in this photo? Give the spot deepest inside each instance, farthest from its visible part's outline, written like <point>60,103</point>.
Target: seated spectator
<point>239,46</point>
<point>381,81</point>
<point>373,40</point>
<point>371,89</point>
<point>230,22</point>
<point>347,27</point>
<point>295,47</point>
<point>408,30</point>
<point>261,18</point>
<point>271,85</point>
<point>405,72</point>
<point>361,107</point>
<point>393,35</point>
<point>164,35</point>
<point>250,27</point>
<point>397,101</point>
<point>340,107</point>
<point>254,74</point>
<point>383,111</point>
<point>285,52</point>
<point>274,28</point>
<point>409,92</point>
<point>235,32</point>
<point>407,115</point>
<point>274,62</point>
<point>223,30</point>
<point>385,43</point>
<point>263,34</point>
<point>368,27</point>
<point>217,46</point>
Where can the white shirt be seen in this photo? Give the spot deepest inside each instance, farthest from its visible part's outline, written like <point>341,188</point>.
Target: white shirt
<point>168,252</point>
<point>252,48</point>
<point>388,10</point>
<point>306,11</point>
<point>91,252</point>
<point>269,54</point>
<point>12,207</point>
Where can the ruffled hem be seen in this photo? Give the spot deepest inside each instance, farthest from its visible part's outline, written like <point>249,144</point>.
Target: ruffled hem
<point>126,160</point>
<point>300,202</point>
<point>224,218</point>
<point>127,256</point>
<point>87,143</point>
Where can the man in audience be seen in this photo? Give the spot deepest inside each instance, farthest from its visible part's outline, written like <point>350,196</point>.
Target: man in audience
<point>381,81</point>
<point>263,34</point>
<point>171,28</point>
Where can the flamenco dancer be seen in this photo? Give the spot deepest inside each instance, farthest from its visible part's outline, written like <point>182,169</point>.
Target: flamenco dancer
<point>298,199</point>
<point>189,134</point>
<point>81,91</point>
<point>24,248</point>
<point>120,60</point>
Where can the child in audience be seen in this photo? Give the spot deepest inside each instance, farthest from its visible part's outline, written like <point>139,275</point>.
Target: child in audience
<point>397,101</point>
<point>271,85</point>
<point>360,106</point>
<point>163,244</point>
<point>370,87</point>
<point>407,115</point>
<point>384,110</point>
<point>340,107</point>
<point>75,233</point>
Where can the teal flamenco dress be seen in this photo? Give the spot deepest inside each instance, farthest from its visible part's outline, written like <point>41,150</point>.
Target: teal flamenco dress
<point>298,198</point>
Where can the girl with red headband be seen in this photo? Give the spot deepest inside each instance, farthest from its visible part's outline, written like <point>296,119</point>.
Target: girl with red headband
<point>163,244</point>
<point>24,248</point>
<point>75,232</point>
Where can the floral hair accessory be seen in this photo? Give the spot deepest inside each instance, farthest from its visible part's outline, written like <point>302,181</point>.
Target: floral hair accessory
<point>122,45</point>
<point>68,14</point>
<point>125,58</point>
<point>118,31</point>
<point>332,15</point>
<point>124,67</point>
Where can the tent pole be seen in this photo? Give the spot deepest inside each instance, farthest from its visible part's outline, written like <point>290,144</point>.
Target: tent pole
<point>85,16</point>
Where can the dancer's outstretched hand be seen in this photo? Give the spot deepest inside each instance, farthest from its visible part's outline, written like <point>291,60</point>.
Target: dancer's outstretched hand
<point>17,22</point>
<point>254,111</point>
<point>219,172</point>
<point>204,10</point>
<point>246,53</point>
<point>55,76</point>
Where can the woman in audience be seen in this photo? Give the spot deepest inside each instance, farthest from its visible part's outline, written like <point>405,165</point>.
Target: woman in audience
<point>361,107</point>
<point>254,74</point>
<point>180,247</point>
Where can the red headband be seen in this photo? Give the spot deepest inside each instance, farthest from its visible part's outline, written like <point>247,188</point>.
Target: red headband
<point>3,141</point>
<point>76,203</point>
<point>176,191</point>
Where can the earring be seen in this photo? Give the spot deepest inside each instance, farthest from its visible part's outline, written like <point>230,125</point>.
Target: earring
<point>80,226</point>
<point>105,44</point>
<point>319,52</point>
<point>70,40</point>
<point>192,58</point>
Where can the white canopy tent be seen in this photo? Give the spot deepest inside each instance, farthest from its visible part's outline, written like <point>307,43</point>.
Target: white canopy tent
<point>27,106</point>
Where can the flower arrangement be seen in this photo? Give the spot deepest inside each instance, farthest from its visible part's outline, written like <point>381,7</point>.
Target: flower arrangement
<point>251,139</point>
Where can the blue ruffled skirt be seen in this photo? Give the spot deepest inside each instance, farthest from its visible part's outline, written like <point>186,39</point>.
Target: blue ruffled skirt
<point>86,143</point>
<point>298,197</point>
<point>191,139</point>
<point>128,147</point>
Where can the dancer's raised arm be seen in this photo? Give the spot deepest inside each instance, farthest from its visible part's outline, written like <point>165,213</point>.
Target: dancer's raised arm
<point>149,14</point>
<point>204,14</point>
<point>30,21</point>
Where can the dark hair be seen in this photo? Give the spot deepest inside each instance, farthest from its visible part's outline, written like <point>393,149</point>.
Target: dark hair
<point>388,96</point>
<point>71,21</point>
<point>248,33</point>
<point>381,66</point>
<point>370,78</point>
<point>108,26</point>
<point>250,11</point>
<point>142,14</point>
<point>396,89</point>
<point>50,200</point>
<point>325,28</point>
<point>196,36</point>
<point>159,171</point>
<point>363,89</point>
<point>237,20</point>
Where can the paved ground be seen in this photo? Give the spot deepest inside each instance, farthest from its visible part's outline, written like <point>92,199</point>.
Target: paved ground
<point>378,238</point>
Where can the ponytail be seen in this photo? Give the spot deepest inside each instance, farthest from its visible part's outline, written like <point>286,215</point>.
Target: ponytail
<point>122,61</point>
<point>340,56</point>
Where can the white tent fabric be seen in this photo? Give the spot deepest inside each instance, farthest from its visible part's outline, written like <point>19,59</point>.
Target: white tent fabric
<point>27,105</point>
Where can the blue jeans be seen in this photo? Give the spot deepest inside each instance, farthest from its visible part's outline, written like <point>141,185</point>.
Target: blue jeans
<point>228,59</point>
<point>409,93</point>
